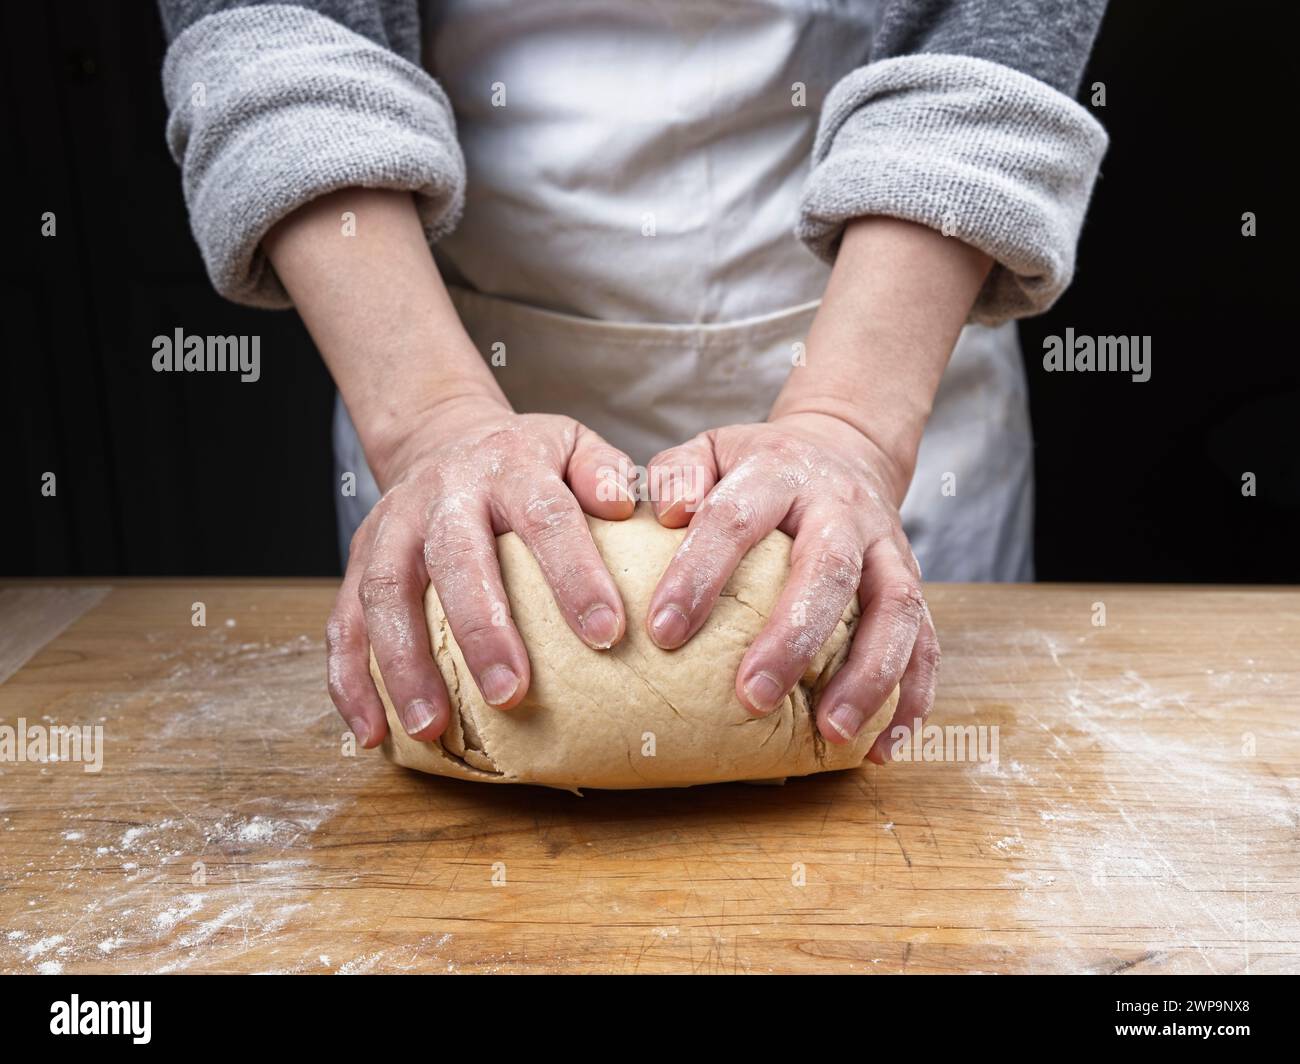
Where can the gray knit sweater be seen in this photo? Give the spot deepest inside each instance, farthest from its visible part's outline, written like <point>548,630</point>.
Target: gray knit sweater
<point>963,120</point>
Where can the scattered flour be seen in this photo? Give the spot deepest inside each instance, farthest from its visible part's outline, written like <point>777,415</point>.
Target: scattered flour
<point>204,884</point>
<point>166,920</point>
<point>42,946</point>
<point>1165,835</point>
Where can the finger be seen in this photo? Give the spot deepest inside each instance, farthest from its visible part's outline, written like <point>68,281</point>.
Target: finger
<point>743,508</point>
<point>391,593</point>
<point>825,571</point>
<point>916,693</point>
<point>679,479</point>
<point>602,478</point>
<point>460,554</point>
<point>892,612</point>
<point>546,516</point>
<point>347,655</point>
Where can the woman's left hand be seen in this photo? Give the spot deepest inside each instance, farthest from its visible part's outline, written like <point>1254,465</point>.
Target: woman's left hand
<point>825,484</point>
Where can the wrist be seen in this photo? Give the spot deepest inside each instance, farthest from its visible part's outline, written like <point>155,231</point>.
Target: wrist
<point>894,307</point>
<point>393,441</point>
<point>848,433</point>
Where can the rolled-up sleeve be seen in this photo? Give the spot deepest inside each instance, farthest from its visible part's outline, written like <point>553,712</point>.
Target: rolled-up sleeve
<point>975,133</point>
<point>273,105</point>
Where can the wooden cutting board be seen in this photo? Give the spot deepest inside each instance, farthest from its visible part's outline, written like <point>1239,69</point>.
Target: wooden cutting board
<point>1141,815</point>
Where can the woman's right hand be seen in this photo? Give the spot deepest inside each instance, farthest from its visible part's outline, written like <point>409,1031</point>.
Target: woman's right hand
<point>469,471</point>
<point>457,467</point>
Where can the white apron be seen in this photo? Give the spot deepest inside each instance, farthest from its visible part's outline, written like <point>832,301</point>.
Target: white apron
<point>634,172</point>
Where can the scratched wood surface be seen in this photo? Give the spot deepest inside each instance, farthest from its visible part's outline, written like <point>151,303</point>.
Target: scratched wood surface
<point>1141,814</point>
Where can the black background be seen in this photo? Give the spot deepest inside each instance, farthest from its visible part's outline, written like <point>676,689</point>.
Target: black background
<point>200,474</point>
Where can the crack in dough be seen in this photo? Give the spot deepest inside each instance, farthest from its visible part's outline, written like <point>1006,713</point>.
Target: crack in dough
<point>648,685</point>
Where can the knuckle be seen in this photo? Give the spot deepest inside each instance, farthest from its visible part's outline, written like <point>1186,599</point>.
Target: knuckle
<point>400,662</point>
<point>537,527</point>
<point>380,588</point>
<point>850,495</point>
<point>735,517</point>
<point>840,566</point>
<point>546,517</point>
<point>929,656</point>
<point>445,509</point>
<point>477,628</point>
<point>338,633</point>
<point>904,599</point>
<point>545,504</point>
<point>448,546</point>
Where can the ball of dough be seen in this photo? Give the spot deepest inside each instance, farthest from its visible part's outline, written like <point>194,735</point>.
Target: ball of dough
<point>634,715</point>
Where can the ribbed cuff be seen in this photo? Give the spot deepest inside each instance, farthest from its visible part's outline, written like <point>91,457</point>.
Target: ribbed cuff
<point>984,153</point>
<point>273,106</point>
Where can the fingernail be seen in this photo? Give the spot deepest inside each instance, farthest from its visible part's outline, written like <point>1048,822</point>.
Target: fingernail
<point>360,729</point>
<point>670,627</point>
<point>600,627</point>
<point>498,684</point>
<point>764,692</point>
<point>417,716</point>
<point>847,720</point>
<point>675,502</point>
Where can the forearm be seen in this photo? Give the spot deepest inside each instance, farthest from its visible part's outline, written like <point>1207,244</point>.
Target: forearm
<point>964,120</point>
<point>895,304</point>
<point>379,313</point>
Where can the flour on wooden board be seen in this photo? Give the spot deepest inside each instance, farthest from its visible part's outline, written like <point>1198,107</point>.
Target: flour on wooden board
<point>144,903</point>
<point>1183,866</point>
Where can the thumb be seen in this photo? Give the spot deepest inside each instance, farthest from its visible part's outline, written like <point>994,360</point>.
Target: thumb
<point>601,477</point>
<point>680,478</point>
